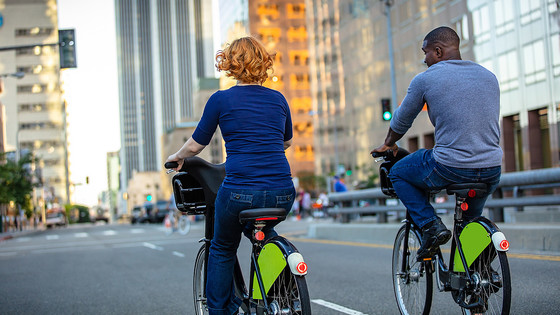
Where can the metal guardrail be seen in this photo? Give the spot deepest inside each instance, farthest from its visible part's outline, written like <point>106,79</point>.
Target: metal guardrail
<point>517,182</point>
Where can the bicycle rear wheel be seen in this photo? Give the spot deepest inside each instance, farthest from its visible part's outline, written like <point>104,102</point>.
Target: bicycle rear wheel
<point>199,286</point>
<point>288,295</point>
<point>413,286</point>
<point>492,283</point>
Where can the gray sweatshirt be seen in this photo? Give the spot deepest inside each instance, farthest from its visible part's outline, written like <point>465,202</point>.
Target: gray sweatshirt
<point>463,101</point>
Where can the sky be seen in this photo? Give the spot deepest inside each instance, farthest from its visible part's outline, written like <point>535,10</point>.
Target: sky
<point>91,91</point>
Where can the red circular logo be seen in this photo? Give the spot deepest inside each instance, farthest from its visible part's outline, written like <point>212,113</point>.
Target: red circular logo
<point>259,236</point>
<point>472,193</point>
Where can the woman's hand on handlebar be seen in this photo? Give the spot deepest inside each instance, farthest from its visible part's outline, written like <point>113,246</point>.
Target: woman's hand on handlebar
<point>176,159</point>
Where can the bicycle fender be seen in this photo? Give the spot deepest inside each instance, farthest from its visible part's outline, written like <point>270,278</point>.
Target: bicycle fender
<point>475,237</point>
<point>271,262</point>
<point>279,253</point>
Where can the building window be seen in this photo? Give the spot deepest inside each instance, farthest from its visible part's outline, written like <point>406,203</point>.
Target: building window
<point>297,34</point>
<point>34,31</point>
<point>413,144</point>
<point>268,10</point>
<point>270,35</point>
<point>299,81</point>
<point>299,57</point>
<point>534,62</point>
<point>504,16</point>
<point>508,72</point>
<point>539,139</point>
<point>529,10</point>
<point>36,69</point>
<point>462,28</point>
<point>295,11</point>
<point>513,143</point>
<point>481,24</point>
<point>32,89</point>
<point>429,141</point>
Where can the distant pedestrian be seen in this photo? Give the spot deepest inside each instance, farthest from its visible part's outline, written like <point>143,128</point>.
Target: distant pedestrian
<point>339,185</point>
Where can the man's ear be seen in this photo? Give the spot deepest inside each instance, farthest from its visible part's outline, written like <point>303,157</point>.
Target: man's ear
<point>439,52</point>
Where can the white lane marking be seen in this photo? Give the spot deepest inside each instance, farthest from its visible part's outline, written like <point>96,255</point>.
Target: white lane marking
<point>152,246</point>
<point>81,235</point>
<point>23,239</point>
<point>178,254</point>
<point>109,232</point>
<point>337,307</point>
<point>52,237</point>
<point>137,231</point>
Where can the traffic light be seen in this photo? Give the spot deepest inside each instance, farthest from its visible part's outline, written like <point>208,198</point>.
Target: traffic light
<point>386,109</point>
<point>148,197</point>
<point>67,49</point>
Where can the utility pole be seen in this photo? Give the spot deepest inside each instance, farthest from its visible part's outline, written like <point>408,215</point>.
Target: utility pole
<point>388,4</point>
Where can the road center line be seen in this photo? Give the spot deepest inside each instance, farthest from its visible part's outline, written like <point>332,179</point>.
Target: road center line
<point>152,246</point>
<point>337,307</point>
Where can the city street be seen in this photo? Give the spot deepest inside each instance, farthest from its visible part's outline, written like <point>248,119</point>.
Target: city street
<point>137,269</point>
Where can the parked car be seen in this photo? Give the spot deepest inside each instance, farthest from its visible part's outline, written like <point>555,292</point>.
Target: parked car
<point>55,217</point>
<point>99,213</point>
<point>141,214</point>
<point>158,213</point>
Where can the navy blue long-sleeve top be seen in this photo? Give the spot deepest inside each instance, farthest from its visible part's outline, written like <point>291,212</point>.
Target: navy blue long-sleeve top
<point>254,121</point>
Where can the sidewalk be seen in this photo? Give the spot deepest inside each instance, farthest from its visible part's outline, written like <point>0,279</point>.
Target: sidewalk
<point>12,234</point>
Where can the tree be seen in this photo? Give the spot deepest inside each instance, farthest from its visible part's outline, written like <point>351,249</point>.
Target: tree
<point>16,181</point>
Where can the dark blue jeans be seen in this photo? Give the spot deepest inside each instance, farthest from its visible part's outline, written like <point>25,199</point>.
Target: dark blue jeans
<point>220,292</point>
<point>418,173</point>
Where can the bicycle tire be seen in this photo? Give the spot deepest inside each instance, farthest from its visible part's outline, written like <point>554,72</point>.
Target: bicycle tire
<point>414,288</point>
<point>183,225</point>
<point>288,295</point>
<point>199,286</point>
<point>492,270</point>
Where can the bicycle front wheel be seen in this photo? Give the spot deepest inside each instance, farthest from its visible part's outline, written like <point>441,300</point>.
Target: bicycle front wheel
<point>199,286</point>
<point>184,225</point>
<point>412,283</point>
<point>492,287</point>
<point>288,295</point>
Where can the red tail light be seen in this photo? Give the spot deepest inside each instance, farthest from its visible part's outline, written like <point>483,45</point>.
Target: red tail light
<point>504,245</point>
<point>259,235</point>
<point>464,206</point>
<point>302,267</point>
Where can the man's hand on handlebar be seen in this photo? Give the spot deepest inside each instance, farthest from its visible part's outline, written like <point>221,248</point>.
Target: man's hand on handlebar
<point>383,148</point>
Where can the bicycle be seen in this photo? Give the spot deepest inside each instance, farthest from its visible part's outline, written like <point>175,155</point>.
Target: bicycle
<point>478,275</point>
<point>176,221</point>
<point>277,268</point>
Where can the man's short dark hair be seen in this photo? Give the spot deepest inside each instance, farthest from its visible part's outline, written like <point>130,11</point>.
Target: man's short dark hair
<point>444,35</point>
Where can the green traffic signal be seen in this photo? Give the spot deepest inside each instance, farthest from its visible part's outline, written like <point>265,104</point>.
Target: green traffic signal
<point>149,198</point>
<point>387,116</point>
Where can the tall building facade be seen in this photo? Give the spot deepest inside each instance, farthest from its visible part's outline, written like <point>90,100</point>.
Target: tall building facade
<point>518,40</point>
<point>35,112</point>
<point>164,51</point>
<point>281,26</point>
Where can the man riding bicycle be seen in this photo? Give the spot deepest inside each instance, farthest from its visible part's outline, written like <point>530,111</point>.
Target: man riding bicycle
<point>463,101</point>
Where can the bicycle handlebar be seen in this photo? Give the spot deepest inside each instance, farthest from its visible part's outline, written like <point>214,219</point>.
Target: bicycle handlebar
<point>170,165</point>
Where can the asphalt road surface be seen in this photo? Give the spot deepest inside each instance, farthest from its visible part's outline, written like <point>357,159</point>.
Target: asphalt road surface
<point>137,269</point>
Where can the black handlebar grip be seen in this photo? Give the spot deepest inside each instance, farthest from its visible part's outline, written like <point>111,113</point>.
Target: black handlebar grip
<point>170,165</point>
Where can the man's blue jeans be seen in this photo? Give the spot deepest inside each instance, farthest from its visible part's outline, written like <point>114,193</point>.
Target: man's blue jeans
<point>418,173</point>
<point>220,292</point>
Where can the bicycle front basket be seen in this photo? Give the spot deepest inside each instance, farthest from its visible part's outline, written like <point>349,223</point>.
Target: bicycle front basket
<point>188,193</point>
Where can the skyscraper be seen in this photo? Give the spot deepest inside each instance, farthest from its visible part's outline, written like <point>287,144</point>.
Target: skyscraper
<point>164,51</point>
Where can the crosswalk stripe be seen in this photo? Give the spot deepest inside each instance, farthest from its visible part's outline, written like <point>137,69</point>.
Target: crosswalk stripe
<point>52,237</point>
<point>80,235</point>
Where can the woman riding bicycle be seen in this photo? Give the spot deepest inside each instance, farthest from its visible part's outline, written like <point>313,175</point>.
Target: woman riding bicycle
<point>256,125</point>
<point>463,100</point>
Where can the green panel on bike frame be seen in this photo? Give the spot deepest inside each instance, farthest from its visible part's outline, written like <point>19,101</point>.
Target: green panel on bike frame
<point>474,239</point>
<point>271,262</point>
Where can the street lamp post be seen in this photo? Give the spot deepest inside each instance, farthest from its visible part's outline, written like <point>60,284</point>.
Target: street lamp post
<point>388,4</point>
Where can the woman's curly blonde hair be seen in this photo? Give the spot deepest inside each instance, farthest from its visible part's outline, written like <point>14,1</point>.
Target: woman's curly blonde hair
<point>246,60</point>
